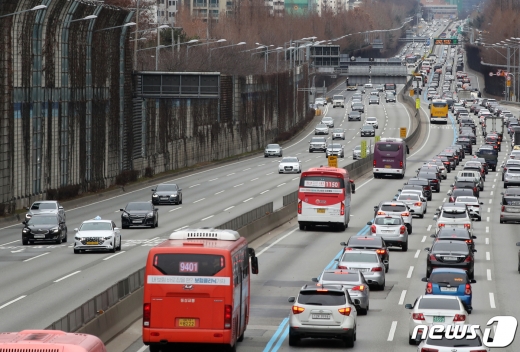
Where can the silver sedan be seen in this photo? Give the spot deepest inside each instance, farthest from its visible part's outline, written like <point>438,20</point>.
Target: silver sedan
<point>356,152</point>
<point>367,262</point>
<point>392,229</point>
<point>338,133</point>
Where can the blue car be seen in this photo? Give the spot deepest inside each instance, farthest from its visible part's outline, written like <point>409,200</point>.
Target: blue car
<point>453,282</point>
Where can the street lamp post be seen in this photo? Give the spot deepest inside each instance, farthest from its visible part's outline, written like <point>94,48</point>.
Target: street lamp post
<point>129,24</point>
<point>208,43</point>
<point>35,8</point>
<point>266,59</point>
<point>89,17</point>
<point>222,47</point>
<point>159,44</point>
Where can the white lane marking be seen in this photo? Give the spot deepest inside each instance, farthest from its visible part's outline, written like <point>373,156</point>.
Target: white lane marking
<point>264,191</point>
<point>220,192</point>
<point>401,299</point>
<point>294,179</point>
<point>429,228</point>
<point>489,210</point>
<point>487,240</point>
<point>417,253</point>
<point>492,187</point>
<point>488,257</point>
<point>198,184</point>
<point>410,271</point>
<point>492,300</point>
<point>213,179</point>
<point>270,173</point>
<point>18,251</point>
<point>230,174</point>
<point>1,245</point>
<point>489,274</point>
<point>241,184</point>
<point>261,165</point>
<point>254,179</point>
<point>38,256</point>
<point>231,207</point>
<point>487,229</point>
<point>495,180</point>
<point>142,349</point>
<point>113,255</point>
<point>174,209</point>
<point>487,219</point>
<point>11,302</point>
<point>280,185</point>
<point>180,228</point>
<point>247,169</point>
<point>67,276</point>
<point>200,200</point>
<point>444,200</point>
<point>275,242</point>
<point>392,331</point>
<point>247,200</point>
<point>206,218</point>
<point>491,193</point>
<point>423,239</point>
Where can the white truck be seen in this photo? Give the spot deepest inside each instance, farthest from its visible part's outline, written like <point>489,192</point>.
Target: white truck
<point>338,100</point>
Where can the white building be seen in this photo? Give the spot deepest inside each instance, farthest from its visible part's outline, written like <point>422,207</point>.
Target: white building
<point>276,7</point>
<point>166,11</point>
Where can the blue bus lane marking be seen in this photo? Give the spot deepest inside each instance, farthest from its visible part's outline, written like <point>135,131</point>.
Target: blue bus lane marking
<point>279,337</point>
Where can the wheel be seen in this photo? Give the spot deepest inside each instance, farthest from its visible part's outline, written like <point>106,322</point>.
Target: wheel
<point>265,156</point>
<point>472,275</point>
<point>505,186</point>
<point>76,251</point>
<point>341,227</point>
<point>362,311</point>
<point>114,247</point>
<point>25,242</point>
<point>58,241</point>
<point>409,229</point>
<point>411,341</point>
<point>241,337</point>
<point>293,338</point>
<point>421,216</point>
<point>302,227</point>
<point>180,200</point>
<point>429,198</point>
<point>404,248</point>
<point>155,348</point>
<point>124,226</point>
<point>120,244</point>
<point>386,269</point>
<point>349,340</point>
<point>65,238</point>
<point>501,221</point>
<point>382,287</point>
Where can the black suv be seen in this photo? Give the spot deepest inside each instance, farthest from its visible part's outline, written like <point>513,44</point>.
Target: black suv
<point>466,144</point>
<point>375,243</point>
<point>139,214</point>
<point>44,227</point>
<point>433,177</point>
<point>455,234</point>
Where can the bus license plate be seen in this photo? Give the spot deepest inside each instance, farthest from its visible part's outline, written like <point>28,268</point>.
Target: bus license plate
<point>438,319</point>
<point>320,211</point>
<point>92,243</point>
<point>187,323</point>
<point>388,166</point>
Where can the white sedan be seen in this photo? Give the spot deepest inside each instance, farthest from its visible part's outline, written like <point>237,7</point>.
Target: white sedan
<point>473,205</point>
<point>290,164</point>
<point>435,309</point>
<point>97,234</point>
<point>414,202</point>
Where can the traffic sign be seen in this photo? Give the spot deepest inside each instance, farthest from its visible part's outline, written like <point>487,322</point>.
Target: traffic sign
<point>378,138</point>
<point>417,103</point>
<point>402,132</point>
<point>412,92</point>
<point>508,78</point>
<point>363,149</point>
<point>441,41</point>
<point>333,161</point>
<point>508,82</point>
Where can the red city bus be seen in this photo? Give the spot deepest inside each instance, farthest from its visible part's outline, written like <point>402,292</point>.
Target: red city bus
<point>390,157</point>
<point>50,340</point>
<point>324,197</point>
<point>197,289</point>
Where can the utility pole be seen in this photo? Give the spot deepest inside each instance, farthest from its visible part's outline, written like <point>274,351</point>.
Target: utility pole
<point>136,32</point>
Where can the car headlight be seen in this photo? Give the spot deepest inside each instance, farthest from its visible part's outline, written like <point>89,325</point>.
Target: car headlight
<point>25,230</point>
<point>125,215</point>
<point>107,237</point>
<point>56,229</point>
<point>174,194</point>
<point>28,216</point>
<point>154,195</point>
<point>149,215</point>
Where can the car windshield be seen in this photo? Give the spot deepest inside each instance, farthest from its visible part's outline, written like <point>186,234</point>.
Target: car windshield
<point>166,188</point>
<point>326,119</point>
<point>322,298</point>
<point>371,119</point>
<point>321,126</point>
<point>388,221</point>
<point>341,276</point>
<point>355,257</point>
<point>289,160</point>
<point>366,127</point>
<point>449,246</point>
<point>439,303</point>
<point>338,130</point>
<point>338,97</point>
<point>334,146</point>
<point>273,146</point>
<point>138,206</point>
<point>466,200</point>
<point>96,226</point>
<point>44,206</point>
<point>43,220</point>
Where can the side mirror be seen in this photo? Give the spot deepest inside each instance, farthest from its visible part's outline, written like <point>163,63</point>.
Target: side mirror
<point>369,223</point>
<point>344,244</point>
<point>427,249</point>
<point>412,211</point>
<point>156,209</point>
<point>435,217</point>
<point>400,190</point>
<point>24,222</point>
<point>153,189</point>
<point>408,306</point>
<point>60,207</point>
<point>76,229</point>
<point>424,279</point>
<point>376,207</point>
<point>292,299</point>
<point>254,265</point>
<point>448,193</point>
<point>314,279</point>
<point>481,203</point>
<point>121,209</point>
<point>385,262</point>
<point>473,281</point>
<point>474,251</point>
<point>433,235</point>
<point>452,185</point>
<point>357,302</point>
<point>116,229</point>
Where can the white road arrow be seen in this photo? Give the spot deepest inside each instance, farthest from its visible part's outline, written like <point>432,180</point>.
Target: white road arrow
<point>18,251</point>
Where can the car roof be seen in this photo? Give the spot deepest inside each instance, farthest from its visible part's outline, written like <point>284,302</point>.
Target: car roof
<point>448,270</point>
<point>93,220</point>
<point>361,251</point>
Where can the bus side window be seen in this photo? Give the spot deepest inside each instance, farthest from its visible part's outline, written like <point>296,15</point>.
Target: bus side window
<point>245,263</point>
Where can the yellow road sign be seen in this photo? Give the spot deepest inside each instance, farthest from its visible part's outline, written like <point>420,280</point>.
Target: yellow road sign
<point>412,92</point>
<point>402,132</point>
<point>417,103</point>
<point>363,149</point>
<point>378,138</point>
<point>509,83</point>
<point>333,161</point>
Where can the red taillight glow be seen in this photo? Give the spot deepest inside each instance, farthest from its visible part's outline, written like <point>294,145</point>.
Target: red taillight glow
<point>147,313</point>
<point>345,311</point>
<point>467,291</point>
<point>467,226</point>
<point>432,257</point>
<point>503,208</point>
<point>377,268</point>
<point>359,288</point>
<point>442,225</point>
<point>468,259</point>
<point>342,210</point>
<point>429,287</point>
<point>417,316</point>
<point>402,230</point>
<point>474,189</point>
<point>299,207</point>
<point>342,267</point>
<point>401,164</point>
<point>405,214</point>
<point>297,310</point>
<point>381,213</point>
<point>381,251</point>
<point>373,228</point>
<point>459,317</point>
<point>227,316</point>
<point>374,163</point>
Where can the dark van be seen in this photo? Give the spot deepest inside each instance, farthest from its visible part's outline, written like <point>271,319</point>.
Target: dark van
<point>390,157</point>
<point>491,157</point>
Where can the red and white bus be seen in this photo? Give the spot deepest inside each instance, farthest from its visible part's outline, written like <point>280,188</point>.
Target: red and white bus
<point>390,157</point>
<point>197,289</point>
<point>324,197</point>
<point>50,340</point>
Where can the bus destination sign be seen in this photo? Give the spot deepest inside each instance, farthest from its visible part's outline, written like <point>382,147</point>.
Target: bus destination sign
<point>444,41</point>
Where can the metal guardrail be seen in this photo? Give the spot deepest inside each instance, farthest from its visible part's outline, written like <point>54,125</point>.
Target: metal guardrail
<point>290,198</point>
<point>247,218</point>
<point>97,305</point>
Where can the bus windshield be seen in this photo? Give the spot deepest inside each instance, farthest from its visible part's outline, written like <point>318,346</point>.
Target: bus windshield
<point>390,86</point>
<point>440,105</point>
<point>188,264</point>
<point>388,147</point>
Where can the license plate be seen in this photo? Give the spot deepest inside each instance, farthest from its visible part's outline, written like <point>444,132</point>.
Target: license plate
<point>387,231</point>
<point>448,289</point>
<point>450,258</point>
<point>320,211</point>
<point>39,236</point>
<point>358,269</point>
<point>438,319</point>
<point>509,210</point>
<point>187,323</point>
<point>388,166</point>
<point>321,316</point>
<point>92,243</point>
<point>137,221</point>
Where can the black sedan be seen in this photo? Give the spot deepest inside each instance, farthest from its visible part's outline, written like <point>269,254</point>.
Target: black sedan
<point>44,227</point>
<point>450,254</point>
<point>139,214</point>
<point>368,130</point>
<point>167,193</point>
<point>455,234</point>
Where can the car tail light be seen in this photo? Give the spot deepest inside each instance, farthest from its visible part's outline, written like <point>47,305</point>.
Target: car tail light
<point>429,287</point>
<point>442,225</point>
<point>297,310</point>
<point>377,268</point>
<point>503,208</point>
<point>342,267</point>
<point>459,317</point>
<point>469,241</point>
<point>432,257</point>
<point>446,162</point>
<point>474,189</point>
<point>418,204</point>
<point>345,311</point>
<point>418,316</point>
<point>300,207</point>
<point>381,251</point>
<point>227,316</point>
<point>373,228</point>
<point>468,259</point>
<point>452,199</point>
<point>381,213</point>
<point>359,288</point>
<point>427,188</point>
<point>342,210</point>
<point>374,163</point>
<point>147,313</point>
<point>402,229</point>
<point>405,214</point>
<point>467,291</point>
<point>467,226</point>
<point>400,164</point>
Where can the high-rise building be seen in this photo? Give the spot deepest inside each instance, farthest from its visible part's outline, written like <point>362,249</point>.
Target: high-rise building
<point>166,11</point>
<point>331,6</point>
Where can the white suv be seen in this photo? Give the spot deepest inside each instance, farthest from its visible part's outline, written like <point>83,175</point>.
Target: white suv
<point>324,311</point>
<point>452,215</point>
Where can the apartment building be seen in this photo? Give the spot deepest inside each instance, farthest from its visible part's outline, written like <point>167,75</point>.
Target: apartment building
<point>166,11</point>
